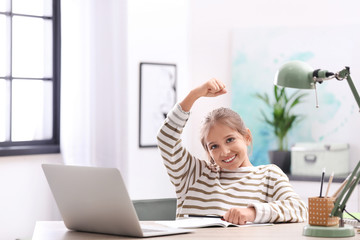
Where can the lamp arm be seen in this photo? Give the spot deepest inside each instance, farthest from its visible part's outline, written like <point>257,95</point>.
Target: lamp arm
<point>341,201</point>
<point>351,189</point>
<point>353,89</point>
<point>345,73</point>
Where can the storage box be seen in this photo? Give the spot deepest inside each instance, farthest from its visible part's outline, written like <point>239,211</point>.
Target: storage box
<point>309,159</point>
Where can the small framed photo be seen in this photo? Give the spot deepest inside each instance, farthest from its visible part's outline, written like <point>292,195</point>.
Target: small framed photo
<point>157,98</point>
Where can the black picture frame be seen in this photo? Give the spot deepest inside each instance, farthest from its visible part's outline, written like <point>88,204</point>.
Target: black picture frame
<point>157,96</point>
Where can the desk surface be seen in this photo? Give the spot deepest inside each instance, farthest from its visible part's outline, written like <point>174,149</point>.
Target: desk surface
<point>56,230</point>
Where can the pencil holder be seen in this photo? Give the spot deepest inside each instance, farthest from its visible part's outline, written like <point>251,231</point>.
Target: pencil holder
<point>319,211</point>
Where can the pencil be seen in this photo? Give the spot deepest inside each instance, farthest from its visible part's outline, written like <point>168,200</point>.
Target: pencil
<point>329,183</point>
<point>335,195</point>
<point>205,216</point>
<point>322,181</point>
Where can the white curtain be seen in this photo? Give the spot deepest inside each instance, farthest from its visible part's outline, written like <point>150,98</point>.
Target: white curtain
<point>93,83</point>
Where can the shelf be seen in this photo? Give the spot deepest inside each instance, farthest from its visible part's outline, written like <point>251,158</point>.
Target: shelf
<point>338,179</point>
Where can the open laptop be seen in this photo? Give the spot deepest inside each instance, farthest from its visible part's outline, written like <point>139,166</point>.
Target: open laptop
<point>94,199</point>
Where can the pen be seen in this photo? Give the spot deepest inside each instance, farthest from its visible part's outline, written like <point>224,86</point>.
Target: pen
<point>335,195</point>
<point>322,181</point>
<point>205,216</point>
<point>328,186</point>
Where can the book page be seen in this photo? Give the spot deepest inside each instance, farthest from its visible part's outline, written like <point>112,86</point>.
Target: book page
<point>204,222</point>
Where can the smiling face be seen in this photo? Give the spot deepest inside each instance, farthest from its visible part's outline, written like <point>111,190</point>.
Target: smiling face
<point>227,147</point>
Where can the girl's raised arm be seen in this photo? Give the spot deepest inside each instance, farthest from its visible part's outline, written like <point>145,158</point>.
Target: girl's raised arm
<point>211,88</point>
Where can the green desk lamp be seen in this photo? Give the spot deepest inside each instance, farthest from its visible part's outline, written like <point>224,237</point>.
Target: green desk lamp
<point>297,74</point>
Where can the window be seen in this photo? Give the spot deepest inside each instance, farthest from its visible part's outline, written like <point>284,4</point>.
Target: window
<point>29,76</point>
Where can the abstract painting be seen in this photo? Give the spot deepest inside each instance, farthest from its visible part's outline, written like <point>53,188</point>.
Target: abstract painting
<point>157,97</point>
<point>257,53</point>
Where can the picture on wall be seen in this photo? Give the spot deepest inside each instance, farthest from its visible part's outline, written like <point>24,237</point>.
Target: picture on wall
<point>257,53</point>
<point>157,97</point>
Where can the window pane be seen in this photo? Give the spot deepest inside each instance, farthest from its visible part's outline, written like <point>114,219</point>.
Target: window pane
<point>33,7</point>
<point>31,110</point>
<point>4,111</point>
<point>32,47</point>
<point>4,5</point>
<point>4,47</point>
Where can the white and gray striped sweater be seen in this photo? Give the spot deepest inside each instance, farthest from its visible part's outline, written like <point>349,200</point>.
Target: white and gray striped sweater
<point>201,191</point>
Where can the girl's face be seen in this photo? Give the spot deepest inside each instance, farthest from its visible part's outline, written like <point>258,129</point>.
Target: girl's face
<point>227,147</point>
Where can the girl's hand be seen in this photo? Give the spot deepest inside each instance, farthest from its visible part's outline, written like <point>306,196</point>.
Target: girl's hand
<point>211,88</point>
<point>214,168</point>
<point>240,215</point>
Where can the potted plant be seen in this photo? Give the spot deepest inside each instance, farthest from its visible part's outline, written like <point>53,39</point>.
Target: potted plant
<point>281,120</point>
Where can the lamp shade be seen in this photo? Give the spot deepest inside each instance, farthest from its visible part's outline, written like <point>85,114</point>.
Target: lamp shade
<point>295,74</point>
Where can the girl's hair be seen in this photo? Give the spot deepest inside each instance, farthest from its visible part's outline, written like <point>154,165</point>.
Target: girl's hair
<point>227,117</point>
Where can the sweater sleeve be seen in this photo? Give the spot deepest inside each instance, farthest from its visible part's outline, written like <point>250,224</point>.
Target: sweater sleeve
<point>283,205</point>
<point>182,168</point>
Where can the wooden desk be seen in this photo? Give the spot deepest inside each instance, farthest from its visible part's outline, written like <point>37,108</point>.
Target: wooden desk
<point>56,230</point>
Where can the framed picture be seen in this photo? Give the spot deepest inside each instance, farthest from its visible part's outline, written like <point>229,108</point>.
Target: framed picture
<point>157,97</point>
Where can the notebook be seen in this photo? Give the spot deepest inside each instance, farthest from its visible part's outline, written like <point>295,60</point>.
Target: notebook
<point>348,219</point>
<point>202,222</point>
<point>94,199</point>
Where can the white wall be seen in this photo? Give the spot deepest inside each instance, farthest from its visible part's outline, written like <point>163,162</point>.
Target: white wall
<point>157,32</point>
<point>25,196</point>
<point>210,31</point>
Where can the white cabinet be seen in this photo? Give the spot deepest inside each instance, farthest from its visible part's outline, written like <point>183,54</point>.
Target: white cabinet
<point>308,189</point>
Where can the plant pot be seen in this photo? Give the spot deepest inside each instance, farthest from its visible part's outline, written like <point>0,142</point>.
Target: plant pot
<point>282,159</point>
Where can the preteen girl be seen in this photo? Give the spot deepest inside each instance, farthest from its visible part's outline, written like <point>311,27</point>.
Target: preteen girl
<point>226,184</point>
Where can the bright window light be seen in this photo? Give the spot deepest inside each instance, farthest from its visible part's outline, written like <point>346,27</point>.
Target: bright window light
<point>31,58</point>
<point>3,47</point>
<point>4,110</point>
<point>29,77</point>
<point>33,7</point>
<point>31,110</point>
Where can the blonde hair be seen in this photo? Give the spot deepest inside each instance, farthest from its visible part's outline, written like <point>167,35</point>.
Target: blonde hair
<point>227,117</point>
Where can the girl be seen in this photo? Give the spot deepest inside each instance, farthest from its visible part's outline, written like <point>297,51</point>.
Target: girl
<point>227,185</point>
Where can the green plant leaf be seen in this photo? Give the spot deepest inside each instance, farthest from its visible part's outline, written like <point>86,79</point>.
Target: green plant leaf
<point>265,118</point>
<point>276,94</point>
<point>264,98</point>
<point>298,100</point>
<point>281,119</point>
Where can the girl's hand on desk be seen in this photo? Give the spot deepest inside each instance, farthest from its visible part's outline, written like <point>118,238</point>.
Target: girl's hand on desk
<point>240,215</point>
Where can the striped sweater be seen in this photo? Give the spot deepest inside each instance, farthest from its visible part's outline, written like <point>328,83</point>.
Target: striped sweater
<point>201,191</point>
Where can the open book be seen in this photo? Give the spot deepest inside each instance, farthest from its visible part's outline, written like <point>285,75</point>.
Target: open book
<point>205,222</point>
<point>351,221</point>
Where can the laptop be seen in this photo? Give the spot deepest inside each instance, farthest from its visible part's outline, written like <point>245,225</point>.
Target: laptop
<point>94,199</point>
